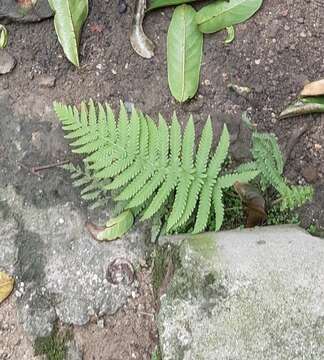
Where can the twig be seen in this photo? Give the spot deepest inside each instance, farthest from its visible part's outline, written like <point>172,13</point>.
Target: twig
<point>36,169</point>
<point>293,140</point>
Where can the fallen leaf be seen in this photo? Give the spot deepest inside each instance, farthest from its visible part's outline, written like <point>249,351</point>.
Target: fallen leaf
<point>304,106</point>
<point>114,229</point>
<point>139,40</point>
<point>253,202</point>
<point>6,286</point>
<point>314,88</point>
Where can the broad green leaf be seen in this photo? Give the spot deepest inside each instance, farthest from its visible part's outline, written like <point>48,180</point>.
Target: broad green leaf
<point>117,227</point>
<point>184,53</point>
<point>154,4</point>
<point>222,14</point>
<point>69,18</point>
<point>6,285</point>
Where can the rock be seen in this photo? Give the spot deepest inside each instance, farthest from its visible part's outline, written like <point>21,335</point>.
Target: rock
<point>47,81</point>
<point>62,269</point>
<point>7,62</point>
<point>245,294</point>
<point>310,174</point>
<point>73,352</point>
<point>11,10</point>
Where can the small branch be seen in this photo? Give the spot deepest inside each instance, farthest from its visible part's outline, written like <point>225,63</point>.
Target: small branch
<point>293,140</point>
<point>36,169</point>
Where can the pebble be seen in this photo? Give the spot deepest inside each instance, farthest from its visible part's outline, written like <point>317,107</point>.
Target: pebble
<point>7,62</point>
<point>310,174</point>
<point>47,81</point>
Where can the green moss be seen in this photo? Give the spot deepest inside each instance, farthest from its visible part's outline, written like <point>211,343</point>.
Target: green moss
<point>278,217</point>
<point>53,346</point>
<point>161,258</point>
<point>316,231</point>
<point>156,355</point>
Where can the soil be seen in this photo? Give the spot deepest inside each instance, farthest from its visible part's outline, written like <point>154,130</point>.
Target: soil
<point>275,53</point>
<point>129,334</point>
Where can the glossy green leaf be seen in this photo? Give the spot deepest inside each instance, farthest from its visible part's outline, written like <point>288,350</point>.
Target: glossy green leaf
<point>222,14</point>
<point>155,4</point>
<point>184,53</point>
<point>69,18</point>
<point>117,227</point>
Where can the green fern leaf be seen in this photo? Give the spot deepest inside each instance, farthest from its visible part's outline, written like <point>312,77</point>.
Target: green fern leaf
<point>204,147</point>
<point>204,206</point>
<point>220,155</point>
<point>134,139</point>
<point>163,193</point>
<point>175,140</point>
<point>123,127</point>
<point>163,141</point>
<point>146,192</point>
<point>218,206</point>
<point>126,176</point>
<point>135,185</point>
<point>192,198</point>
<point>229,180</point>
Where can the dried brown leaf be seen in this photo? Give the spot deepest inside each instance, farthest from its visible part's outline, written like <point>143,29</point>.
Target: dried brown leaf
<point>314,88</point>
<point>6,285</point>
<point>253,202</point>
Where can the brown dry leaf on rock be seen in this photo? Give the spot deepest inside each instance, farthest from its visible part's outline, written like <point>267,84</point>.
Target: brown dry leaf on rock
<point>314,88</point>
<point>6,286</point>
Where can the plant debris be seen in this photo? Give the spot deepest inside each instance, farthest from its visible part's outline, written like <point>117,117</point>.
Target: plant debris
<point>140,42</point>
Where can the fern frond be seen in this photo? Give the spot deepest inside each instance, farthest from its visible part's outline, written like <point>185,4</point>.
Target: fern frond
<point>154,169</point>
<point>295,196</point>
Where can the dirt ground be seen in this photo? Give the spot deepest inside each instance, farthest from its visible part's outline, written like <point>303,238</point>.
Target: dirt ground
<point>275,54</point>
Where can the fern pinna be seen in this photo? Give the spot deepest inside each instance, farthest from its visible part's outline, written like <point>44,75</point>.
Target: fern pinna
<point>149,164</point>
<point>269,161</point>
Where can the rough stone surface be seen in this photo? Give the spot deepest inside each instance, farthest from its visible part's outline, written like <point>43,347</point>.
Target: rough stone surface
<point>60,270</point>
<point>242,295</point>
<point>73,352</point>
<point>12,10</point>
<point>7,62</point>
